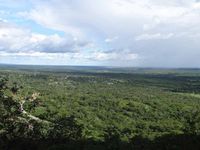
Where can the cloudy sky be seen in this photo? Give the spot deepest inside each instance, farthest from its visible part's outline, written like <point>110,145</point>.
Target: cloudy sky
<point>142,33</point>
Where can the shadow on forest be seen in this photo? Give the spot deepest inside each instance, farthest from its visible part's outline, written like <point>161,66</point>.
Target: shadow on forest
<point>170,142</point>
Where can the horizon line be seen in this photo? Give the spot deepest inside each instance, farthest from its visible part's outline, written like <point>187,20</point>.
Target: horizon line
<point>99,66</point>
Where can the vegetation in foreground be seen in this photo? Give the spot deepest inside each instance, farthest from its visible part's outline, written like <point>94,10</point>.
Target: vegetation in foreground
<point>99,110</point>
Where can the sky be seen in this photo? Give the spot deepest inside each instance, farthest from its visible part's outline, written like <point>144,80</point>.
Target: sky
<point>127,33</point>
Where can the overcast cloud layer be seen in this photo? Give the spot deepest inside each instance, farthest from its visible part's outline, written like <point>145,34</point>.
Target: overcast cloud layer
<point>144,33</point>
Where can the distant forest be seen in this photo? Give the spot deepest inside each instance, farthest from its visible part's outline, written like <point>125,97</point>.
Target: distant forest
<point>98,108</point>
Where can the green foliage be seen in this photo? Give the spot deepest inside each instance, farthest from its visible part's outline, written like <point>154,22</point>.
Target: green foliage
<point>67,128</point>
<point>100,110</point>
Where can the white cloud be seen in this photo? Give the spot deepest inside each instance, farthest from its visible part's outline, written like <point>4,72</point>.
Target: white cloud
<point>110,40</point>
<point>149,28</point>
<point>155,36</point>
<point>97,55</point>
<point>122,55</point>
<point>124,18</point>
<point>16,39</point>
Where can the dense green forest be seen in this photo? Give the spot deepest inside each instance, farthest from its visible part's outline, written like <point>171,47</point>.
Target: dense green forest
<point>59,108</point>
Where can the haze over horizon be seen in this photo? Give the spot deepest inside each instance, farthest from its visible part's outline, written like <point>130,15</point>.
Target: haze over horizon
<point>127,33</point>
